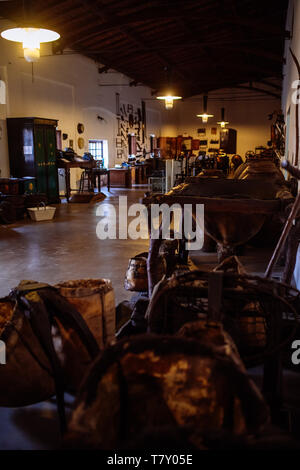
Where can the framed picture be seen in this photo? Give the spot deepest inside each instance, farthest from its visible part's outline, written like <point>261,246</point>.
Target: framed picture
<point>213,131</point>
<point>202,131</point>
<point>187,143</point>
<point>195,144</point>
<point>203,143</point>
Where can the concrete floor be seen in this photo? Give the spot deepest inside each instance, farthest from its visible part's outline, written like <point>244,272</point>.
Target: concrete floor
<point>68,248</point>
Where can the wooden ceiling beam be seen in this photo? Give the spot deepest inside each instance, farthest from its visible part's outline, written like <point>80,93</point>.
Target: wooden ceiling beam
<point>261,90</point>
<point>188,44</point>
<point>258,52</point>
<point>117,22</point>
<point>55,9</point>
<point>226,82</point>
<point>270,84</point>
<point>105,13</point>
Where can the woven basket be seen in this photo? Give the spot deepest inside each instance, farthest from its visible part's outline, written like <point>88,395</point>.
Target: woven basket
<point>42,212</point>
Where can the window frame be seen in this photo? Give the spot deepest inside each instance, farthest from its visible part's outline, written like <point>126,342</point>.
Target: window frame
<point>98,155</point>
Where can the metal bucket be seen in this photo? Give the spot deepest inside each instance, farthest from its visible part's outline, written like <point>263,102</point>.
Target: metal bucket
<point>136,278</point>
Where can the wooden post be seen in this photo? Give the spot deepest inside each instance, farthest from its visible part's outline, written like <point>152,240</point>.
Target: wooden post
<point>283,237</point>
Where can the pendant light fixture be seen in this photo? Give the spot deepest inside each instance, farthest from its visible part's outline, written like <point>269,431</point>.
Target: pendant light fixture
<point>169,97</point>
<point>205,115</point>
<point>223,122</point>
<point>31,37</point>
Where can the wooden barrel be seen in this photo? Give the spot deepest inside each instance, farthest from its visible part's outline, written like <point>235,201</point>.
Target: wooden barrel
<point>136,278</point>
<point>95,300</point>
<point>155,382</point>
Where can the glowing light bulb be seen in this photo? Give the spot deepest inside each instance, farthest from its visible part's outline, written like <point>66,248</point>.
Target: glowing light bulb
<point>205,116</point>
<point>31,39</point>
<point>223,122</point>
<point>169,100</point>
<point>31,45</point>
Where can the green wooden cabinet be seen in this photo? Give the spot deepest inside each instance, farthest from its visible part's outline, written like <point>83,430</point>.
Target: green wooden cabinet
<point>32,152</point>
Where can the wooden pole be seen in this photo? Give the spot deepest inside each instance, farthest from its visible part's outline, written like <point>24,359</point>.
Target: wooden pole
<point>284,235</point>
<point>296,206</point>
<point>296,109</point>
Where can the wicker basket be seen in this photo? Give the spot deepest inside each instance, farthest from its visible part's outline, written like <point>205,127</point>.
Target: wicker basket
<point>41,212</point>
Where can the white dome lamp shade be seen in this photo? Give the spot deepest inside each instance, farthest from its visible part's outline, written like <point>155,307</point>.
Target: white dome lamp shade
<point>169,99</point>
<point>205,115</point>
<point>31,39</point>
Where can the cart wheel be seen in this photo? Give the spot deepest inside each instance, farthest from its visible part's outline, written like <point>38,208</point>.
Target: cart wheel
<point>7,212</point>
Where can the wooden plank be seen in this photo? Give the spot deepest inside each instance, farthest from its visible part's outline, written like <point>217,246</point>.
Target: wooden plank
<point>251,206</point>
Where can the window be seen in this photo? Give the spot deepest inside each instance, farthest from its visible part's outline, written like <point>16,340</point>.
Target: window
<point>99,150</point>
<point>96,149</point>
<point>2,92</point>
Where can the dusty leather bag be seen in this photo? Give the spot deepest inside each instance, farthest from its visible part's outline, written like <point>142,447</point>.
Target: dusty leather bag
<point>153,382</point>
<point>40,330</point>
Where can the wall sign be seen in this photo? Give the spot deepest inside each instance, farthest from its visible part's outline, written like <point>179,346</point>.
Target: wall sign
<point>130,120</point>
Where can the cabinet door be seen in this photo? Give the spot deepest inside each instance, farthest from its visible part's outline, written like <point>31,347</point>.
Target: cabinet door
<point>50,145</point>
<point>40,160</point>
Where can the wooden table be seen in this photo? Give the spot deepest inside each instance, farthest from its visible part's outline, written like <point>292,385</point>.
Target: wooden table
<point>121,177</point>
<point>67,167</point>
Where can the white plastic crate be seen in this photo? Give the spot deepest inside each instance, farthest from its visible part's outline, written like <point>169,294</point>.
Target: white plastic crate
<point>42,212</point>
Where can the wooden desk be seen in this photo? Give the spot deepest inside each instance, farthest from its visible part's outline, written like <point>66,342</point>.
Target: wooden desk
<point>67,167</point>
<point>120,177</point>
